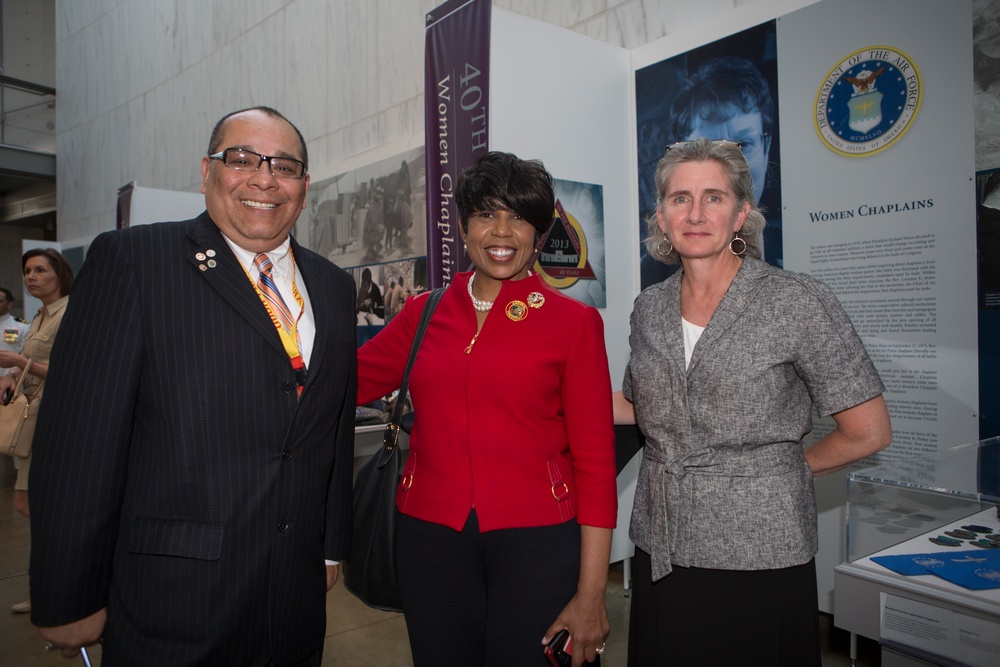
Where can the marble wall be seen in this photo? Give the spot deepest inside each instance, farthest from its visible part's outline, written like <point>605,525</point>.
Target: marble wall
<point>141,82</point>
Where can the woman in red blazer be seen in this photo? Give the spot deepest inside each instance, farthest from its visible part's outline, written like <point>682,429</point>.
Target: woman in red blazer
<point>508,497</point>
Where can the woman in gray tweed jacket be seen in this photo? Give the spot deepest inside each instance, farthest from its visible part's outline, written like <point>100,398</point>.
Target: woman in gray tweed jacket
<point>729,357</point>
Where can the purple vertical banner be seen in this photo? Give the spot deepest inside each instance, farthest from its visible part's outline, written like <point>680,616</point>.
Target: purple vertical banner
<point>456,93</point>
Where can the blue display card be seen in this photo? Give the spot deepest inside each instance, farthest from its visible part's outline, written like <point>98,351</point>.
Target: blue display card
<point>975,570</point>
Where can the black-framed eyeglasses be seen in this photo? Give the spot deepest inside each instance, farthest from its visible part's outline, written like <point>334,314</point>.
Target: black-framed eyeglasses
<point>244,160</point>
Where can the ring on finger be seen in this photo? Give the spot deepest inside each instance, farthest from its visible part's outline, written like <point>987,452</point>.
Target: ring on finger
<point>49,646</point>
<point>600,649</point>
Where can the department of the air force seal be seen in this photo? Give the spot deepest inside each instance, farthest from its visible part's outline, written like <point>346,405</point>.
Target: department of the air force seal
<point>867,101</point>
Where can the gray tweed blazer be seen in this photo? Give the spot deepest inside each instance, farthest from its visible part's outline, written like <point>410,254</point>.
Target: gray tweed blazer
<point>724,483</point>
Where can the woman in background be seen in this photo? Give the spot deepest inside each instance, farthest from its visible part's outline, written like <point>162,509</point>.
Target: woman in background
<point>729,357</point>
<point>48,277</point>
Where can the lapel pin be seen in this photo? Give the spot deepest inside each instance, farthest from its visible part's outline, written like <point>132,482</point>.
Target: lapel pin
<point>210,252</point>
<point>536,300</point>
<point>211,263</point>
<point>203,267</point>
<point>517,310</point>
<point>200,256</point>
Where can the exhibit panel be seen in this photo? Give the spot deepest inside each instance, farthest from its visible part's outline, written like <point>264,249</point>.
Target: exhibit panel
<point>563,98</point>
<point>922,574</point>
<point>877,162</point>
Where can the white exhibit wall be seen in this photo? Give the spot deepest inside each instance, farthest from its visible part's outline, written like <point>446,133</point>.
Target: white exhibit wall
<point>564,99</point>
<point>155,205</point>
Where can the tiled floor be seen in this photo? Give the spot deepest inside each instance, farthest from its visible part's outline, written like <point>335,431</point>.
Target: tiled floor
<point>357,636</point>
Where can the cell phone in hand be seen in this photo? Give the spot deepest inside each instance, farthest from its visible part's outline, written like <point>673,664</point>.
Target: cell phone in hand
<point>559,650</point>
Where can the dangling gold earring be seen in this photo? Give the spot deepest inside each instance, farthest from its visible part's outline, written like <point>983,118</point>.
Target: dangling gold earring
<point>660,249</point>
<point>736,237</point>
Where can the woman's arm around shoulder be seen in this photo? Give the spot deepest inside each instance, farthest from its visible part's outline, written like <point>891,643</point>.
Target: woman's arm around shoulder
<point>624,409</point>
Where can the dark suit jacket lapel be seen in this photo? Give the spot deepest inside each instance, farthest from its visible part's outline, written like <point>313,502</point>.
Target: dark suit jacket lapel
<point>228,278</point>
<point>321,303</point>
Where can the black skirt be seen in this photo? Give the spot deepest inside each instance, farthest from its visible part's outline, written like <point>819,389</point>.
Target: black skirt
<point>697,616</point>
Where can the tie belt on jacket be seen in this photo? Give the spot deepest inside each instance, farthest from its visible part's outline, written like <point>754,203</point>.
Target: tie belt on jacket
<point>674,497</point>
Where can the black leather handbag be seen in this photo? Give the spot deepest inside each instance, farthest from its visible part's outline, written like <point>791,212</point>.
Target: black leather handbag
<point>370,574</point>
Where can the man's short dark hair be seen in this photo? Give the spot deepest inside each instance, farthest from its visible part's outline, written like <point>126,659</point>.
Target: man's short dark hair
<point>714,88</point>
<point>216,138</point>
<point>7,293</point>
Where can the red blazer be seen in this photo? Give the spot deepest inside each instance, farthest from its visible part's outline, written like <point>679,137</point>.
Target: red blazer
<point>519,428</point>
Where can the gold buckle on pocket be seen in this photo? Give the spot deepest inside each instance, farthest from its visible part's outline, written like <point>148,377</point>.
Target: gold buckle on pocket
<point>563,495</point>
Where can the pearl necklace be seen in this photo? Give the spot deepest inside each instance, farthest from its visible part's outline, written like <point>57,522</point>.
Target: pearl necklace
<point>480,305</point>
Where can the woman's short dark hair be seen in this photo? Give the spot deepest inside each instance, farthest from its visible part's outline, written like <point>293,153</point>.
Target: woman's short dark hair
<point>59,264</point>
<point>503,180</point>
<point>730,158</point>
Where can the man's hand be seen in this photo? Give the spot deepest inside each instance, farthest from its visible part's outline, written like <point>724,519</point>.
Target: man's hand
<point>332,574</point>
<point>70,637</point>
<point>10,359</point>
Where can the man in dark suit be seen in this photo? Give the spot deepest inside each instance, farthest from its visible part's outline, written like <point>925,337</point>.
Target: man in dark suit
<point>194,455</point>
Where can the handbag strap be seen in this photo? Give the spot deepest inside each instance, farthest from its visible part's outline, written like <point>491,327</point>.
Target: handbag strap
<point>391,435</point>
<point>20,378</point>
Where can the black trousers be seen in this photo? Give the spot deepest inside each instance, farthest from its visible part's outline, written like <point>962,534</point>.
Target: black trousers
<point>698,616</point>
<point>483,599</point>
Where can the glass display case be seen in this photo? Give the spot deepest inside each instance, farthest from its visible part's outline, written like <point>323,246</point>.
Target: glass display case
<point>895,502</point>
<point>922,574</point>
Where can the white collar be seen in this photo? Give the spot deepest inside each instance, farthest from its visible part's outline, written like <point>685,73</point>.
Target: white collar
<point>279,256</point>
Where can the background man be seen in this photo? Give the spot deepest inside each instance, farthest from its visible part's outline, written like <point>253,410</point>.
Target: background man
<point>194,455</point>
<point>13,328</point>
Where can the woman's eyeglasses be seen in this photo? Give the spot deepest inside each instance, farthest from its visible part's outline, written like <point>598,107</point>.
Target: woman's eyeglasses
<point>716,142</point>
<point>749,144</point>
